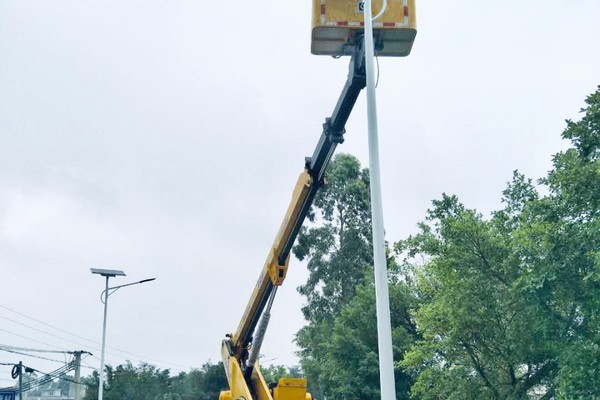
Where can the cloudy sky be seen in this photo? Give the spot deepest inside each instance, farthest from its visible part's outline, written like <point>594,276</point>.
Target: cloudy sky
<point>164,138</point>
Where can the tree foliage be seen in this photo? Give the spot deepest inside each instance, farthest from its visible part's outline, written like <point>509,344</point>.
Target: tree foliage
<point>350,363</point>
<point>510,305</point>
<point>339,344</point>
<point>146,382</point>
<point>272,373</point>
<point>337,247</point>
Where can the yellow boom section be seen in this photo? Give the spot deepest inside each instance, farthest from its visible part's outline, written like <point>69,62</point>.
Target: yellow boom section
<point>272,273</point>
<point>234,350</point>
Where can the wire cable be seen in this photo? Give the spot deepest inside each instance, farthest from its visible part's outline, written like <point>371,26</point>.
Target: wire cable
<point>377,80</point>
<point>28,338</point>
<point>41,331</point>
<point>32,356</point>
<point>36,350</point>
<point>80,344</point>
<point>46,324</point>
<point>137,356</point>
<point>45,378</point>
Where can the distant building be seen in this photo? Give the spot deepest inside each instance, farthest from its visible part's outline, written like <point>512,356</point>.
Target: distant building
<point>50,394</point>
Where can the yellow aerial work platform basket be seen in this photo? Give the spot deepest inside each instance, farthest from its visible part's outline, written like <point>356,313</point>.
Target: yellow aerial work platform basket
<point>336,23</point>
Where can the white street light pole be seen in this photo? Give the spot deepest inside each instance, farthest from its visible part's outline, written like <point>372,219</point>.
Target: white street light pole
<point>382,300</point>
<point>101,373</point>
<point>104,298</point>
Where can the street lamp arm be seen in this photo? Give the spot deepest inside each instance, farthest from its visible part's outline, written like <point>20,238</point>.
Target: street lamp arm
<point>113,289</point>
<point>132,283</point>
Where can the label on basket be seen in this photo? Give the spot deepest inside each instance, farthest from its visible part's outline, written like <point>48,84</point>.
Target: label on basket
<point>361,6</point>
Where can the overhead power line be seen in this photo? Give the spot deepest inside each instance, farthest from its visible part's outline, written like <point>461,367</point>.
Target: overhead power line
<point>46,324</point>
<point>5,346</point>
<point>41,331</point>
<point>28,338</point>
<point>128,355</point>
<point>30,355</point>
<point>137,357</point>
<point>45,378</point>
<point>48,344</point>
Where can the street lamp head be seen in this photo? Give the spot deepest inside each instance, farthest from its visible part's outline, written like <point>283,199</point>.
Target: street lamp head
<point>107,272</point>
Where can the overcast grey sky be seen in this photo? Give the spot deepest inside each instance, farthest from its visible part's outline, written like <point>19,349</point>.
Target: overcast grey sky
<point>164,138</point>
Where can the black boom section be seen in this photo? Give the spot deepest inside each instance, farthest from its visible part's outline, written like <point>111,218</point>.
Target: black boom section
<point>332,135</point>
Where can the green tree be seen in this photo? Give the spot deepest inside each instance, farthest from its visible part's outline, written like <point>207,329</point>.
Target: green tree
<point>337,245</point>
<point>339,344</point>
<point>91,386</point>
<point>480,334</point>
<point>350,356</point>
<point>510,305</point>
<point>337,248</point>
<point>199,384</point>
<point>212,381</point>
<point>564,276</point>
<point>146,382</point>
<point>272,373</point>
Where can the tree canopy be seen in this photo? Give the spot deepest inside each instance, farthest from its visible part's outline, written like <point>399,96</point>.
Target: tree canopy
<point>339,343</point>
<point>505,306</point>
<point>337,247</point>
<point>511,304</point>
<point>146,382</point>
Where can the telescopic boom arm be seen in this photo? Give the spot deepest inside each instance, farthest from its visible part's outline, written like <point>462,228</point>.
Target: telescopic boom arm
<point>246,381</point>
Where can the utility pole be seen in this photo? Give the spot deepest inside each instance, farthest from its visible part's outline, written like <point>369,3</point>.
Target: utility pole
<point>20,380</point>
<point>76,385</point>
